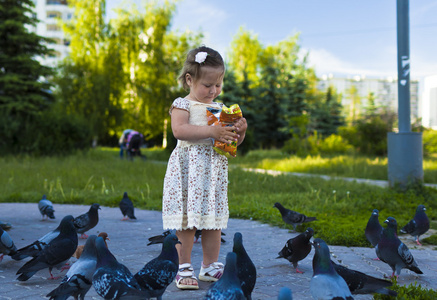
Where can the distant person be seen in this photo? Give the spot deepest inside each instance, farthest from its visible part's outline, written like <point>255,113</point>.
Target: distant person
<point>134,140</point>
<point>123,141</point>
<point>195,194</point>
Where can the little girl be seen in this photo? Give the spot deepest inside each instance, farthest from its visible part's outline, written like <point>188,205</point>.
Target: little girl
<point>196,181</point>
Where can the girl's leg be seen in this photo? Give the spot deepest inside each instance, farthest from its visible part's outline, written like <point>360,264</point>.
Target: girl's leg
<point>186,237</point>
<point>211,241</point>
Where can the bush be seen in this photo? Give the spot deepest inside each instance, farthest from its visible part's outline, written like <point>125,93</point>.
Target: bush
<point>48,133</point>
<point>429,139</point>
<point>335,144</point>
<point>412,291</point>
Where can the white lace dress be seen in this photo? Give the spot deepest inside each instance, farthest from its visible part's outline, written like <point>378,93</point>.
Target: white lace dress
<point>196,182</point>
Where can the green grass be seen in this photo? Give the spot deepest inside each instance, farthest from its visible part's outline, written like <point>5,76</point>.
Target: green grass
<point>341,165</point>
<point>342,208</point>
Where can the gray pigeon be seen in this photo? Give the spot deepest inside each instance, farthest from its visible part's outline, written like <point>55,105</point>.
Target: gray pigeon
<point>55,254</point>
<point>7,246</point>
<point>160,272</point>
<point>77,281</point>
<point>393,252</point>
<point>198,233</point>
<point>360,283</point>
<point>418,225</point>
<point>373,229</point>
<point>46,208</point>
<point>159,239</point>
<point>127,208</point>
<point>228,286</point>
<point>113,280</point>
<point>246,270</point>
<point>285,294</point>
<point>37,246</point>
<point>292,217</point>
<point>297,248</point>
<point>326,283</point>
<point>87,221</point>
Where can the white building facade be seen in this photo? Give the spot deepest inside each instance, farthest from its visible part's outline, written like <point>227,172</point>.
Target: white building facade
<point>429,103</point>
<point>49,13</point>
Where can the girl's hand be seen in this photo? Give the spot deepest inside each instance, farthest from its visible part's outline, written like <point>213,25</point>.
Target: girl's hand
<point>241,125</point>
<point>224,134</point>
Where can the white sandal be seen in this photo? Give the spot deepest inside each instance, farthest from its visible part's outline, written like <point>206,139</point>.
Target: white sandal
<point>211,273</point>
<point>186,271</point>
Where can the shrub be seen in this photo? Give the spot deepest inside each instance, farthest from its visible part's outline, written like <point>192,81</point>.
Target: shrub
<point>412,291</point>
<point>429,139</point>
<point>335,144</point>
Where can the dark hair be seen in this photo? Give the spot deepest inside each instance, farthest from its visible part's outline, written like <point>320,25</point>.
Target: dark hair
<point>213,59</point>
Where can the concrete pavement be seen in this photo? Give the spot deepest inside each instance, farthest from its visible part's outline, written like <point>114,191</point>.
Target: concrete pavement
<point>128,240</point>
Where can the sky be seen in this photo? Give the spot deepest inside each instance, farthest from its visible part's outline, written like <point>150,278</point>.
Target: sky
<point>341,37</point>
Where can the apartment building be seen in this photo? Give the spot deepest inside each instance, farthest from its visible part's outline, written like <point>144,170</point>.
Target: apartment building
<point>429,103</point>
<point>49,13</point>
<point>385,91</point>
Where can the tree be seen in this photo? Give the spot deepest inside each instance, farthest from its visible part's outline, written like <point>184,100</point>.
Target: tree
<point>24,89</point>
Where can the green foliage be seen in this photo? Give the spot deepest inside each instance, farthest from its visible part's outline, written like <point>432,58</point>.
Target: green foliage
<point>409,292</point>
<point>429,138</point>
<point>335,144</point>
<point>431,240</point>
<point>24,90</point>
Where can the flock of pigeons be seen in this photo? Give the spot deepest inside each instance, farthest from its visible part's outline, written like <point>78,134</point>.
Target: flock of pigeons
<point>96,266</point>
<point>333,281</point>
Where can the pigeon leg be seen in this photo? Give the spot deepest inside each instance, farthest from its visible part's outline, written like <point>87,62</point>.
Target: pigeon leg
<point>125,218</point>
<point>1,257</point>
<point>83,236</point>
<point>376,258</point>
<point>299,271</point>
<point>417,241</point>
<point>51,275</point>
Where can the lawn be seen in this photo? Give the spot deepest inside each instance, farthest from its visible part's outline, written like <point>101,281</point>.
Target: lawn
<point>99,175</point>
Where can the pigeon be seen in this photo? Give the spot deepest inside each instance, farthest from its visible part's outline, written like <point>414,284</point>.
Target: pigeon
<point>7,246</point>
<point>360,283</point>
<point>5,226</point>
<point>326,283</point>
<point>373,229</point>
<point>55,254</point>
<point>198,233</point>
<point>37,246</point>
<point>292,217</point>
<point>285,294</point>
<point>46,208</point>
<point>160,272</point>
<point>80,248</point>
<point>228,286</point>
<point>297,248</point>
<point>246,270</point>
<point>87,221</point>
<point>113,280</point>
<point>77,281</point>
<point>127,208</point>
<point>159,239</point>
<point>393,252</point>
<point>418,225</point>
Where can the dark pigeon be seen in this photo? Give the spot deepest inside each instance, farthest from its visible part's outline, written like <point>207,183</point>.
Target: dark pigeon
<point>160,272</point>
<point>285,294</point>
<point>246,270</point>
<point>297,248</point>
<point>46,208</point>
<point>228,286</point>
<point>326,283</point>
<point>113,280</point>
<point>7,246</point>
<point>77,281</point>
<point>393,252</point>
<point>127,208</point>
<point>198,233</point>
<point>87,221</point>
<point>37,246</point>
<point>55,254</point>
<point>360,283</point>
<point>418,225</point>
<point>292,217</point>
<point>159,239</point>
<point>373,229</point>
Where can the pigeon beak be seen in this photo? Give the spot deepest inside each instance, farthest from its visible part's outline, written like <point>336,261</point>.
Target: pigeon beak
<point>387,221</point>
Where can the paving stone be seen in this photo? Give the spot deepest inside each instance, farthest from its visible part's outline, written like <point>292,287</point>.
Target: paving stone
<point>128,242</point>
